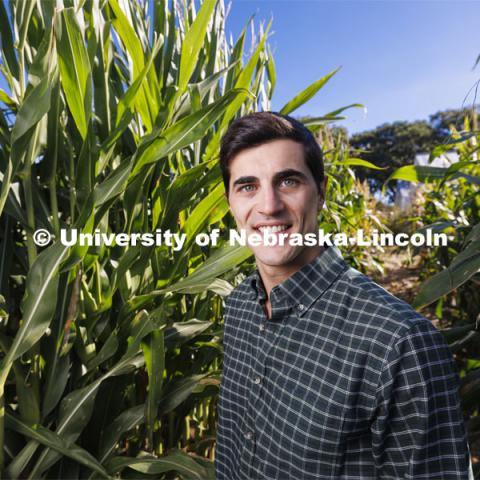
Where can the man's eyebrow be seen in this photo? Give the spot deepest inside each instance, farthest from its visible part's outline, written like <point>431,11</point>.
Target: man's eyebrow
<point>289,172</point>
<point>244,180</point>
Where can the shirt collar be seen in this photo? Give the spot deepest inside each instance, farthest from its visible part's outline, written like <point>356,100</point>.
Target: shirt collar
<point>256,286</point>
<point>307,284</point>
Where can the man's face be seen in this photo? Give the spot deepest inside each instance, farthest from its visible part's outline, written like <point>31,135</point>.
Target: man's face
<point>272,190</point>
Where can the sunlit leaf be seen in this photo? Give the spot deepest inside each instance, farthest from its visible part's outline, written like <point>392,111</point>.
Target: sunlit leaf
<point>306,94</point>
<point>75,72</point>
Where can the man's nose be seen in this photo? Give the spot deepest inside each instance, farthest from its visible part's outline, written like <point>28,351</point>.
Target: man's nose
<point>270,202</point>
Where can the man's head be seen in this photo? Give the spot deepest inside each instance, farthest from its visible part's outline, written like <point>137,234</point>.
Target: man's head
<point>262,127</point>
<point>275,185</point>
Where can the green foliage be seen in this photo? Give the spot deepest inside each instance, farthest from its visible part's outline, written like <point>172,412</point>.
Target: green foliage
<point>349,204</point>
<point>110,356</point>
<point>391,146</point>
<point>395,145</point>
<point>451,204</point>
<point>443,122</point>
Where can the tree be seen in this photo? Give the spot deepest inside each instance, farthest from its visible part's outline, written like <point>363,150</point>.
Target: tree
<point>443,121</point>
<point>391,146</point>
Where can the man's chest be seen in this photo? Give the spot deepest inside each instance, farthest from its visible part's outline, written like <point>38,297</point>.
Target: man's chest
<point>296,387</point>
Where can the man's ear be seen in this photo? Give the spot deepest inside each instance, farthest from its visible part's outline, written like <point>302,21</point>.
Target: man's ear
<point>225,194</point>
<point>322,192</point>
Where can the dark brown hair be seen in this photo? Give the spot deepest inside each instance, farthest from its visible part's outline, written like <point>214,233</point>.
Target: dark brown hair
<point>261,127</point>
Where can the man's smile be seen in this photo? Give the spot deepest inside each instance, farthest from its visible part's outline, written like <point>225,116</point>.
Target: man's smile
<point>272,228</point>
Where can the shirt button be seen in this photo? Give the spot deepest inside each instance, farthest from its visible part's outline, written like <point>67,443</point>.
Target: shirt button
<point>262,327</point>
<point>301,307</point>
<point>257,380</point>
<point>249,435</point>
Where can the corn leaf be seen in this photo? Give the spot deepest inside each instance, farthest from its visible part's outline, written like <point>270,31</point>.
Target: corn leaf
<point>222,261</point>
<point>7,42</point>
<point>414,174</point>
<point>210,210</point>
<point>77,407</point>
<point>463,267</point>
<point>75,72</point>
<point>127,420</point>
<point>178,391</point>
<point>33,108</point>
<point>154,351</point>
<point>184,132</point>
<point>192,44</point>
<point>358,162</point>
<point>182,332</point>
<point>51,440</point>
<point>178,462</point>
<point>146,100</point>
<point>38,304</point>
<point>306,94</point>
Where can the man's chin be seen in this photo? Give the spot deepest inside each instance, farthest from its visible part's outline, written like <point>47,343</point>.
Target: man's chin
<point>275,256</point>
<point>286,256</point>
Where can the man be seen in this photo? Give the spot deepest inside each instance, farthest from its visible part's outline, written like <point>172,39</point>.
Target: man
<point>326,375</point>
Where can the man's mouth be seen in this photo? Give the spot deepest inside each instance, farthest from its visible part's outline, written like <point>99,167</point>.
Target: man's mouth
<point>268,229</point>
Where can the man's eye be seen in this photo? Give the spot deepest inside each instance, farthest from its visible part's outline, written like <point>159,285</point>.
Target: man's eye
<point>247,188</point>
<point>290,182</point>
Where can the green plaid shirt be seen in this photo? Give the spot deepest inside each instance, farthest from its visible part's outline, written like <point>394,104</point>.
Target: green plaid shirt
<point>345,381</point>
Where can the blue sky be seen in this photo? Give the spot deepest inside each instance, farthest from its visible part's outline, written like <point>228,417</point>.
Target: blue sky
<point>402,59</point>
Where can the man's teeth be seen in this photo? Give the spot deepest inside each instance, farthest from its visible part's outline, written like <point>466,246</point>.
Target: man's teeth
<point>273,229</point>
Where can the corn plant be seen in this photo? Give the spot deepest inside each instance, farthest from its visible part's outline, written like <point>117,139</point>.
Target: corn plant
<point>349,205</point>
<point>451,280</point>
<point>111,122</point>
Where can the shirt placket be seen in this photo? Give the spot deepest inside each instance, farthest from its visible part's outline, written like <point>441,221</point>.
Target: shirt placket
<point>267,331</point>
<point>249,432</point>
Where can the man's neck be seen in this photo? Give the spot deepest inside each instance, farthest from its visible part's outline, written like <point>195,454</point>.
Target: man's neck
<point>274,275</point>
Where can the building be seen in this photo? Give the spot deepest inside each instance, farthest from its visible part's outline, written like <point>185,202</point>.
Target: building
<point>406,190</point>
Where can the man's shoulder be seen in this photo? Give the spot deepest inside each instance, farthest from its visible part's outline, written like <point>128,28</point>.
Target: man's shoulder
<point>374,308</point>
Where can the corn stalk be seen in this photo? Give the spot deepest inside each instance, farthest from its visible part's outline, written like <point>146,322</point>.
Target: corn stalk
<point>111,122</point>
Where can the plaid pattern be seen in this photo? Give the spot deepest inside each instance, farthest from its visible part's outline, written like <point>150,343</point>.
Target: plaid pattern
<point>345,381</point>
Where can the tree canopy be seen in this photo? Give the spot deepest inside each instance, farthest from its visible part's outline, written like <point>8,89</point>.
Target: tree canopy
<point>393,145</point>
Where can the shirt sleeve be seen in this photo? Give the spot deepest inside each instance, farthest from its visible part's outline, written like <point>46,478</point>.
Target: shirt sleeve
<point>418,431</point>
